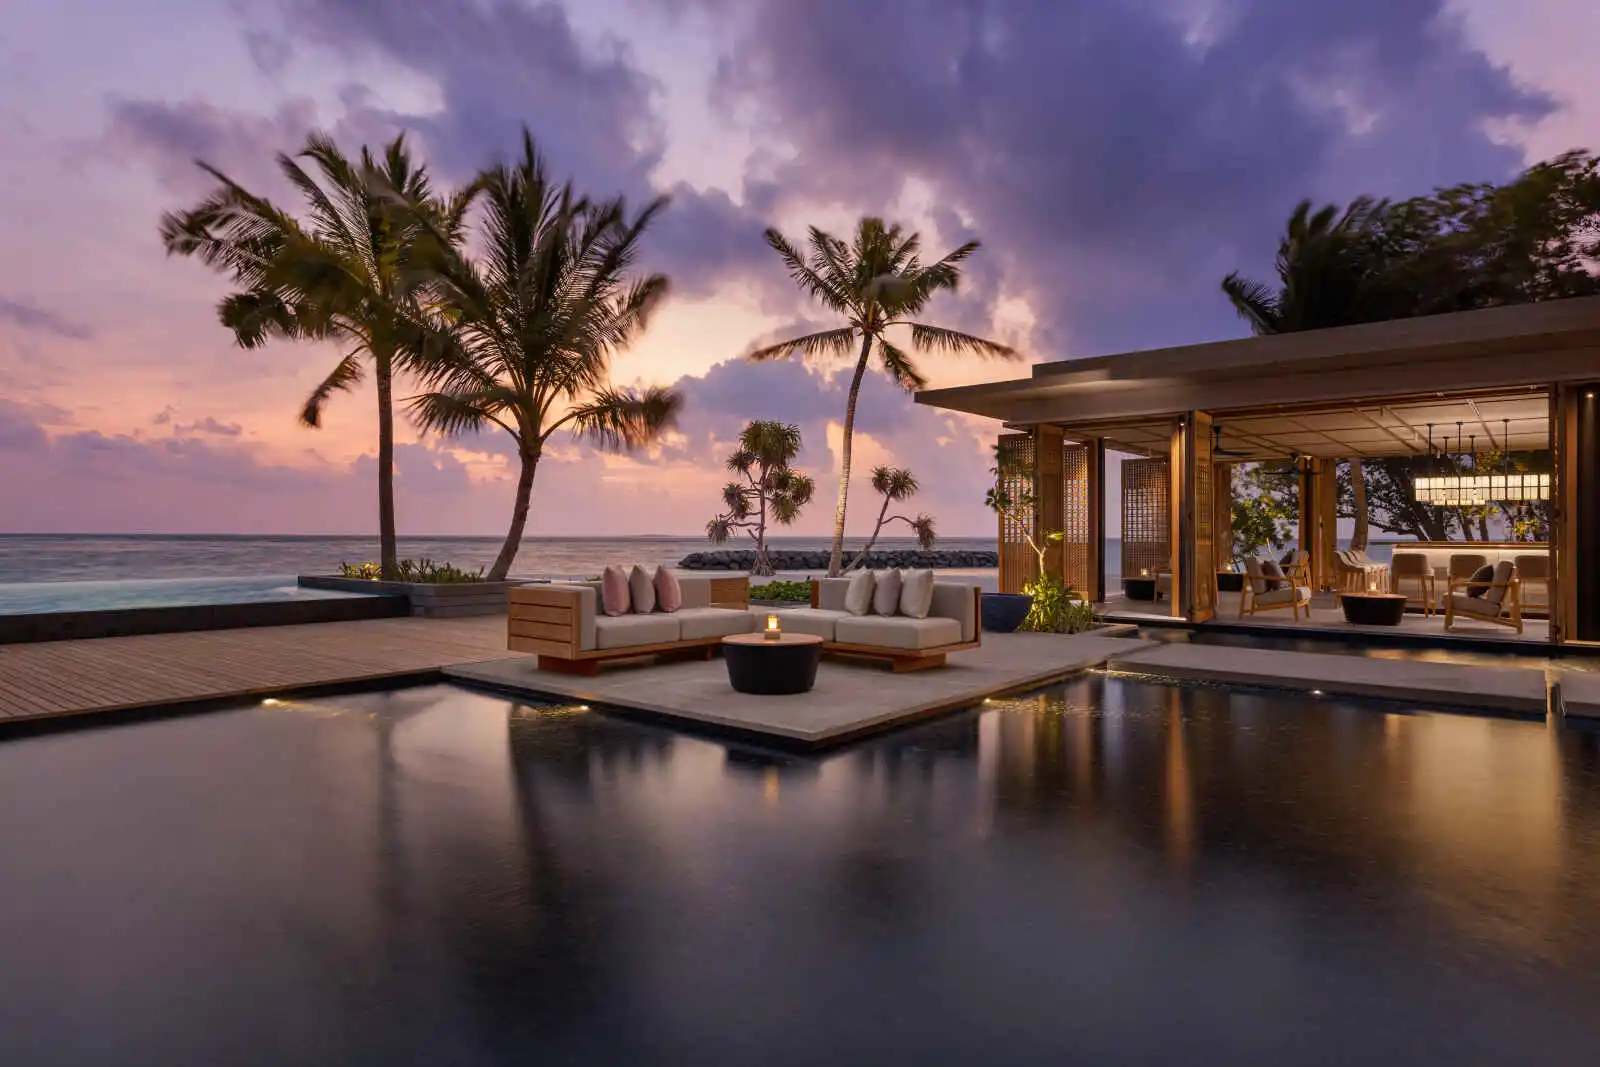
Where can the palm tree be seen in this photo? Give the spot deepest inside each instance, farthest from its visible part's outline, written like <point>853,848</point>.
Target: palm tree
<point>876,282</point>
<point>895,484</point>
<point>536,321</point>
<point>1332,272</point>
<point>345,275</point>
<point>770,489</point>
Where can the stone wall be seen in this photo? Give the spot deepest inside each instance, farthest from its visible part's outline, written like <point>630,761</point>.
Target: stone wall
<point>742,559</point>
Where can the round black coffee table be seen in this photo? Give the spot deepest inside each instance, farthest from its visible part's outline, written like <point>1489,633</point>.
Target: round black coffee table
<point>1139,588</point>
<point>772,666</point>
<point>1373,609</point>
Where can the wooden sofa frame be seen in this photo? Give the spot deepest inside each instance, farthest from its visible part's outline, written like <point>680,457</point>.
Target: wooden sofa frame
<point>902,660</point>
<point>546,621</point>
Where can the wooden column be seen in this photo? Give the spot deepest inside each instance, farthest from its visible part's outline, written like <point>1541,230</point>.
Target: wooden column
<point>1050,515</point>
<point>1222,513</point>
<point>1195,587</point>
<point>1096,591</point>
<point>1319,516</point>
<point>1564,402</point>
<point>1178,522</point>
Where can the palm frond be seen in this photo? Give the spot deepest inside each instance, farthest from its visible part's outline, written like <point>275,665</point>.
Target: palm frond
<point>939,339</point>
<point>622,420</point>
<point>346,375</point>
<point>900,367</point>
<point>812,345</point>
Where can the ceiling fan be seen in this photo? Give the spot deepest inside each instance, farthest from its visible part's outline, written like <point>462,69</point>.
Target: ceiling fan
<point>1216,443</point>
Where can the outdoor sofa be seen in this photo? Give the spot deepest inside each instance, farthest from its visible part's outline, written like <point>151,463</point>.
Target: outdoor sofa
<point>953,624</point>
<point>561,623</point>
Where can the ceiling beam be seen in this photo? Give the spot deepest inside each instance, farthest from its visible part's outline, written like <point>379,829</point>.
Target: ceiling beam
<point>1409,446</point>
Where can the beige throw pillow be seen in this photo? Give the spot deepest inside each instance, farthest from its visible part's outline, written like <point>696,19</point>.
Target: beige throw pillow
<point>642,590</point>
<point>916,593</point>
<point>885,592</point>
<point>858,594</point>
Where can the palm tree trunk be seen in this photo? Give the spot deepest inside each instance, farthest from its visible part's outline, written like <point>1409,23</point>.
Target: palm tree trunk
<point>834,558</point>
<point>1358,490</point>
<point>388,548</point>
<point>861,557</point>
<point>519,517</point>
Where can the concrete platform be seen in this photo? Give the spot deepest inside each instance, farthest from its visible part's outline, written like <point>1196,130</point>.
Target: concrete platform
<point>1515,690</point>
<point>1327,621</point>
<point>850,699</point>
<point>1580,694</point>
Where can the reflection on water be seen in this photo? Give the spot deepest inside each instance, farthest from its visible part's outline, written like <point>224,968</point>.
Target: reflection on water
<point>1106,872</point>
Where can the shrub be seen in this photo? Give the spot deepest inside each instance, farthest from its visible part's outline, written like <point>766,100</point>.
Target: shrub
<point>1056,609</point>
<point>414,570</point>
<point>799,592</point>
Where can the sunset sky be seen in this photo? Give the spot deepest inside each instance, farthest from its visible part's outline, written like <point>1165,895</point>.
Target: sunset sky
<point>1116,158</point>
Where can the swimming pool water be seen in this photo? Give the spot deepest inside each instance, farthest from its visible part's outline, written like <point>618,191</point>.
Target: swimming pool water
<point>1105,872</point>
<point>25,598</point>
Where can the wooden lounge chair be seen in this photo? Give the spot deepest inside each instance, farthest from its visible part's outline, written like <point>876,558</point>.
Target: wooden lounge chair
<point>1498,600</point>
<point>1259,596</point>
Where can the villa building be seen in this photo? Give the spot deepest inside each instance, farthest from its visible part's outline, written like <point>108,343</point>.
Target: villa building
<point>1514,381</point>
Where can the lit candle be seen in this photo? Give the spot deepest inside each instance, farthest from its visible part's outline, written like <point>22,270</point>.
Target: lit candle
<point>773,630</point>
<point>1372,587</point>
<point>1144,572</point>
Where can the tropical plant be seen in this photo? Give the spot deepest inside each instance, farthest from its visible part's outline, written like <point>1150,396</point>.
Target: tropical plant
<point>1056,608</point>
<point>768,489</point>
<point>420,570</point>
<point>1263,506</point>
<point>796,592</point>
<point>876,282</point>
<point>536,321</point>
<point>895,485</point>
<point>346,274</point>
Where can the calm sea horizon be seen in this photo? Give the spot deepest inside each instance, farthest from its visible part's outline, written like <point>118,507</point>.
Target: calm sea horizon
<point>29,558</point>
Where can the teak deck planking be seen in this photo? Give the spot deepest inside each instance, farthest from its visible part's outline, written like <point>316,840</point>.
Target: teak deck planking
<point>62,678</point>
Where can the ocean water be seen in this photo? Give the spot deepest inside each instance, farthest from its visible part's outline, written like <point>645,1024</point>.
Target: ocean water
<point>28,558</point>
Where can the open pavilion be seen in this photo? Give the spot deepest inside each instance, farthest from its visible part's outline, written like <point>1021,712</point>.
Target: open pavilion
<point>1521,380</point>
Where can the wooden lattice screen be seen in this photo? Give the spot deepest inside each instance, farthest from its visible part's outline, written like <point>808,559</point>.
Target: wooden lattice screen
<point>1017,561</point>
<point>1075,516</point>
<point>1146,516</point>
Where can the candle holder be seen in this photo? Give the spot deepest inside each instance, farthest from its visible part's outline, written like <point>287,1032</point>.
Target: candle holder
<point>773,631</point>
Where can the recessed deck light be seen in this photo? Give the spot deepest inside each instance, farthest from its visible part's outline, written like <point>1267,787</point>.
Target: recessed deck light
<point>1316,692</point>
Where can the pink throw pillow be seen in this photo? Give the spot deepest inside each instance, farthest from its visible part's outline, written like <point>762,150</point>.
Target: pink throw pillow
<point>669,597</point>
<point>614,591</point>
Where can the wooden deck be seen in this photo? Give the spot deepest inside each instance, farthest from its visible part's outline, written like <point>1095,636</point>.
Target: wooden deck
<point>64,678</point>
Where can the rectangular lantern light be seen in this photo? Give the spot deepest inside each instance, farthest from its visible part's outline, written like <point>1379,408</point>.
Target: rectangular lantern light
<point>773,632</point>
<point>1472,490</point>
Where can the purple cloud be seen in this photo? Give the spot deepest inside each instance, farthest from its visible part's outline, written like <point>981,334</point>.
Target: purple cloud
<point>31,317</point>
<point>1116,161</point>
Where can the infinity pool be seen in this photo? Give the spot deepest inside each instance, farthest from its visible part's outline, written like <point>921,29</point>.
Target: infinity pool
<point>26,598</point>
<point>1108,872</point>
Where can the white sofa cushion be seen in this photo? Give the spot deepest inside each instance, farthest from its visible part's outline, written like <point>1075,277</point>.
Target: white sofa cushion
<point>897,632</point>
<point>916,593</point>
<point>1287,595</point>
<point>858,594</point>
<point>626,631</point>
<point>641,590</point>
<point>830,593</point>
<point>818,621</point>
<point>958,601</point>
<point>696,589</point>
<point>1463,604</point>
<point>700,623</point>
<point>886,592</point>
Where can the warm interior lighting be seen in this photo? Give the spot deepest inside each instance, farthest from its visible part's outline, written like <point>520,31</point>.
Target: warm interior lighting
<point>1144,572</point>
<point>1372,587</point>
<point>773,630</point>
<point>1467,490</point>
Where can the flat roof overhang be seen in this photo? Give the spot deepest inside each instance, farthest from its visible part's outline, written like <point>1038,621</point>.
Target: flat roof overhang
<point>1438,355</point>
